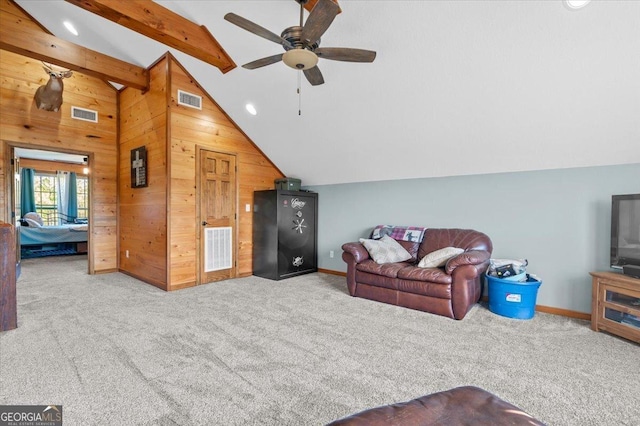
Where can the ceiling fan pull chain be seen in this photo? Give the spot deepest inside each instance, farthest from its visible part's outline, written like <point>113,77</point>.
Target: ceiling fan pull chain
<point>299,92</point>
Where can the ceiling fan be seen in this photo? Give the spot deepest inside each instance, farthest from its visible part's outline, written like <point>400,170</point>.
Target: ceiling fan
<point>302,42</point>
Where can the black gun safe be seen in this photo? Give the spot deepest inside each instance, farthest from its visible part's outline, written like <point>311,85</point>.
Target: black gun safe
<point>285,233</point>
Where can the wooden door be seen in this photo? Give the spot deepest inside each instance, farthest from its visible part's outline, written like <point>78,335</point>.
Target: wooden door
<point>217,191</point>
<point>15,215</point>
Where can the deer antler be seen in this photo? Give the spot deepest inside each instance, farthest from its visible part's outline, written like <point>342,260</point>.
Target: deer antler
<point>49,96</point>
<point>59,74</point>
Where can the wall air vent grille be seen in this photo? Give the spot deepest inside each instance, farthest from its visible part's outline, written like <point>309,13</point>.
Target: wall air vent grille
<point>84,114</point>
<point>217,249</point>
<point>189,99</point>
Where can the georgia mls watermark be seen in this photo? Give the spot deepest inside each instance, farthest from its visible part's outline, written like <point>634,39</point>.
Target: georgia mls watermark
<point>30,415</point>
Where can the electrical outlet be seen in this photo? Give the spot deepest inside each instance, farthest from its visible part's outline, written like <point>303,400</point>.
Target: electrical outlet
<point>126,254</point>
<point>331,254</point>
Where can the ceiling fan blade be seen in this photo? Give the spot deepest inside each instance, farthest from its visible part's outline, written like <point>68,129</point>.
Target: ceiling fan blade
<point>256,29</point>
<point>319,20</point>
<point>345,54</point>
<point>314,76</point>
<point>263,62</point>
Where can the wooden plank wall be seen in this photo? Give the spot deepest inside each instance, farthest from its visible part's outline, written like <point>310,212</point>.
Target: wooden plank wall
<point>212,129</point>
<point>143,211</point>
<point>22,124</point>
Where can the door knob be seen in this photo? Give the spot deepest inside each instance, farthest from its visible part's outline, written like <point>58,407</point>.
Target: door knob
<point>204,223</point>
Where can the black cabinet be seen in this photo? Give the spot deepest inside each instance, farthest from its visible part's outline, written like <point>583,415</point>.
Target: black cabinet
<point>285,233</point>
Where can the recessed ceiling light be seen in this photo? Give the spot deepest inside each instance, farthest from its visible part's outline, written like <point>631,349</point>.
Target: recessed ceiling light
<point>576,4</point>
<point>68,25</point>
<point>251,109</point>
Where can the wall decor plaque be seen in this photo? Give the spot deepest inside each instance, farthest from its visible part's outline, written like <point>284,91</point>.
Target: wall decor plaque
<point>139,167</point>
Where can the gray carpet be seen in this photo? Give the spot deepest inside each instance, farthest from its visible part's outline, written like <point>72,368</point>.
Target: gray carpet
<point>113,351</point>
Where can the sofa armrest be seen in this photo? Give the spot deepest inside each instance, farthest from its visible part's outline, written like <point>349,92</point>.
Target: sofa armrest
<point>357,250</point>
<point>471,257</point>
<point>353,254</point>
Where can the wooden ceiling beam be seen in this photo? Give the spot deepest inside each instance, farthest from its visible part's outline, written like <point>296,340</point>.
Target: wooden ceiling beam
<point>161,24</point>
<point>22,35</point>
<point>310,4</point>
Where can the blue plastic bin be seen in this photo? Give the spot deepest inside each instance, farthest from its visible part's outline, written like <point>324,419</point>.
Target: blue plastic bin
<point>513,299</point>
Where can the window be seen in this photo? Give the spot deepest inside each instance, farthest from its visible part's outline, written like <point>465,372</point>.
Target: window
<point>46,197</point>
<point>82,183</point>
<point>44,186</point>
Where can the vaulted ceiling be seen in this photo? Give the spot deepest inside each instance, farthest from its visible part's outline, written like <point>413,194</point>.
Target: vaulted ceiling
<point>457,87</point>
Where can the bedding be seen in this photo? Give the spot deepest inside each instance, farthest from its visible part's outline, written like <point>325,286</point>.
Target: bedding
<point>52,234</point>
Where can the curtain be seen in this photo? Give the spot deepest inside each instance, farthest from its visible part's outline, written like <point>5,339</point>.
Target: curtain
<point>67,192</point>
<point>62,199</point>
<point>72,197</point>
<point>27,192</point>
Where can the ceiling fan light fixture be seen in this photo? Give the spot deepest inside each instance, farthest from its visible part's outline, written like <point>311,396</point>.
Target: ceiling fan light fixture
<point>300,59</point>
<point>576,4</point>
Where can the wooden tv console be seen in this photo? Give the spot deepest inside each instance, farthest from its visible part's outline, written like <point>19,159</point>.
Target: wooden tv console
<point>615,305</point>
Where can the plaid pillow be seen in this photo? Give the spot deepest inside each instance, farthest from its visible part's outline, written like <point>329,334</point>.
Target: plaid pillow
<point>399,233</point>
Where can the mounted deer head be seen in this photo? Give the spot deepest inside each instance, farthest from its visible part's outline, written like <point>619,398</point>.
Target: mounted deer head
<point>49,96</point>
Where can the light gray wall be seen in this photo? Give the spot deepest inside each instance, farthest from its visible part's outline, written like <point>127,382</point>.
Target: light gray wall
<point>557,219</point>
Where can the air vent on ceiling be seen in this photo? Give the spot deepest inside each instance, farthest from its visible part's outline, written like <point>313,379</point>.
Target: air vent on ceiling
<point>189,99</point>
<point>84,114</point>
<point>217,249</point>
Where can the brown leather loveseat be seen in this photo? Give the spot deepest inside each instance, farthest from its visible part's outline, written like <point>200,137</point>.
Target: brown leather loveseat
<point>450,291</point>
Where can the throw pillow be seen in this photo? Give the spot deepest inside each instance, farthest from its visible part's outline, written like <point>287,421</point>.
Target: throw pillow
<point>439,258</point>
<point>32,223</point>
<point>385,250</point>
<point>35,217</point>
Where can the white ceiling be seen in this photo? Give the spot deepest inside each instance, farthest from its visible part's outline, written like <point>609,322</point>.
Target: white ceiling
<point>457,88</point>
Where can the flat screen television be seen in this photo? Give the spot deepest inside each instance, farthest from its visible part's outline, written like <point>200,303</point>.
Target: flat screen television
<point>625,231</point>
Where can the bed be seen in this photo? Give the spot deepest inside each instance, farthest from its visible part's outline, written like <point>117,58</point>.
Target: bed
<point>43,235</point>
<point>36,236</point>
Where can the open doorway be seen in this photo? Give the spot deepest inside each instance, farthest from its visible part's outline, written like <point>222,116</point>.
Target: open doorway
<point>50,203</point>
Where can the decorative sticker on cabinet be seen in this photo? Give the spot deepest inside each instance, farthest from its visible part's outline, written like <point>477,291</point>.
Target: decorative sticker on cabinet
<point>298,261</point>
<point>297,204</point>
<point>298,224</point>
<point>299,213</point>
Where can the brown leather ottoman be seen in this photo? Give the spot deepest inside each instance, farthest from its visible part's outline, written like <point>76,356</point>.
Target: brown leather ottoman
<point>467,405</point>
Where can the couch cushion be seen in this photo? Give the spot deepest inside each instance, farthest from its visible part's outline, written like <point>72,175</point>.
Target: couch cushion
<point>387,269</point>
<point>385,250</point>
<point>412,248</point>
<point>425,288</point>
<point>415,273</point>
<point>468,239</point>
<point>375,280</point>
<point>439,258</point>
